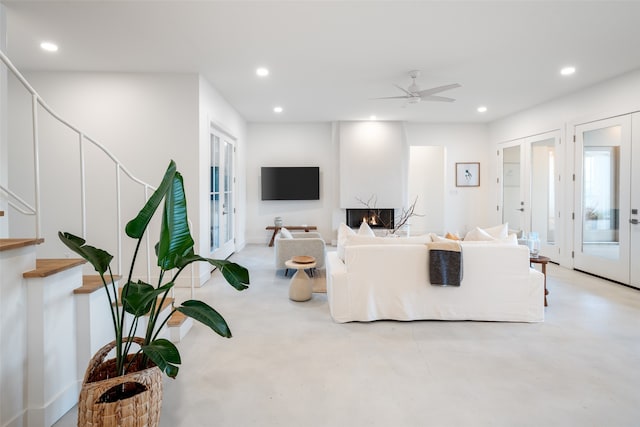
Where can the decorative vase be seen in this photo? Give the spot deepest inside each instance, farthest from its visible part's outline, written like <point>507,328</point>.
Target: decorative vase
<point>278,221</point>
<point>139,407</point>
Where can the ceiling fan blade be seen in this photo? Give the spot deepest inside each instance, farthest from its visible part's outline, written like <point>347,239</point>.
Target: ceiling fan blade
<point>404,90</point>
<point>437,98</point>
<point>393,97</point>
<point>438,89</point>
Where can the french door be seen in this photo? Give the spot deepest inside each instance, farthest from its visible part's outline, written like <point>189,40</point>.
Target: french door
<point>222,205</point>
<point>529,179</point>
<point>603,216</point>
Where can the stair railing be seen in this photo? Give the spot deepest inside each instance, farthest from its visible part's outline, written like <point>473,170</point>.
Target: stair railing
<point>27,209</point>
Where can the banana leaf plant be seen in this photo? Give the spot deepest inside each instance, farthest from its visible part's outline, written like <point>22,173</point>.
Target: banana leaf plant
<point>174,251</point>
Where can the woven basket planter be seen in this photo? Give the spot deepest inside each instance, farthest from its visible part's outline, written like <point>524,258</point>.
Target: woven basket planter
<point>141,409</point>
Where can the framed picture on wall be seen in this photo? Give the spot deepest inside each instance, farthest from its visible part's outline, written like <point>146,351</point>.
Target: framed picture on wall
<point>468,174</point>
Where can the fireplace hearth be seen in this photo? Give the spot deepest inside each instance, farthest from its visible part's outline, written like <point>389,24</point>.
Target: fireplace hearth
<point>376,218</point>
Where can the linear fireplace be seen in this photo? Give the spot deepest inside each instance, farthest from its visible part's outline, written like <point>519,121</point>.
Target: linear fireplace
<point>376,218</point>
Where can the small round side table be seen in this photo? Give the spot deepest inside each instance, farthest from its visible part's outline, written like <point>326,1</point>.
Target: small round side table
<point>542,260</point>
<point>300,288</point>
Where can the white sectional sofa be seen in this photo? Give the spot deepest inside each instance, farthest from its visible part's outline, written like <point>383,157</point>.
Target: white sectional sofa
<point>391,281</point>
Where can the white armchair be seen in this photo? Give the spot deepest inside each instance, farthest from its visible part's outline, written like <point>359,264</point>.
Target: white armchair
<point>305,243</point>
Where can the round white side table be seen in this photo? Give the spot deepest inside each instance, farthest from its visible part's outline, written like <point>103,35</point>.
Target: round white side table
<point>300,287</point>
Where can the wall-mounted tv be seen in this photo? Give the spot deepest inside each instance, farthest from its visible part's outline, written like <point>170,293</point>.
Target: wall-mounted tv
<point>290,183</point>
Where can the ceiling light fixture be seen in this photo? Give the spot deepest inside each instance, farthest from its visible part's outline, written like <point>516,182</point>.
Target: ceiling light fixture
<point>372,117</point>
<point>262,72</point>
<point>567,71</point>
<point>49,46</point>
<point>277,109</point>
<point>482,109</point>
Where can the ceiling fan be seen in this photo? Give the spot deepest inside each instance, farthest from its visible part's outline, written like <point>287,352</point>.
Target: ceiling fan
<point>413,94</point>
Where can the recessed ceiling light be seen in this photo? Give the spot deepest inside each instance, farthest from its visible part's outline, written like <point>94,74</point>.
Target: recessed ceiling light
<point>262,72</point>
<point>372,117</point>
<point>49,46</point>
<point>277,109</point>
<point>567,71</point>
<point>482,109</point>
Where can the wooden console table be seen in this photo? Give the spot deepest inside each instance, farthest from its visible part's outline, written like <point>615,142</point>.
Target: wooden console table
<point>276,229</point>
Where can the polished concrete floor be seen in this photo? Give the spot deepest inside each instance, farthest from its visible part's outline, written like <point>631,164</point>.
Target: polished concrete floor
<point>288,364</point>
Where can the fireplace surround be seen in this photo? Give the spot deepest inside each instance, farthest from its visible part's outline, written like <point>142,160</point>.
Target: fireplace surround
<point>376,218</point>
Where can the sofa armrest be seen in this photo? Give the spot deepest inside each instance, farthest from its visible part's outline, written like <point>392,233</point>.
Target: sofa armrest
<point>286,249</point>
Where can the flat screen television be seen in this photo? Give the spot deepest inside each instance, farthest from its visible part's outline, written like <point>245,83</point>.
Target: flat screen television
<point>290,183</point>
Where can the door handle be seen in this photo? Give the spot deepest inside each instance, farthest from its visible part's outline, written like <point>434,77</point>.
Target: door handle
<point>521,209</point>
<point>633,221</point>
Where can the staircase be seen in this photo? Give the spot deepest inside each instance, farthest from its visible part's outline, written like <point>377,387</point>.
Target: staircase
<point>53,315</point>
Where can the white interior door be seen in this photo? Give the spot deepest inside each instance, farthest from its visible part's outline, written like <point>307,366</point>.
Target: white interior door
<point>602,198</point>
<point>222,243</point>
<point>634,219</point>
<point>543,189</point>
<point>530,187</point>
<point>514,194</point>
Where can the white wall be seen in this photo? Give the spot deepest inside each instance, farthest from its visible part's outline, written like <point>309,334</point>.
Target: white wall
<point>145,120</point>
<point>464,207</point>
<point>609,98</point>
<point>373,164</point>
<point>216,111</point>
<point>290,144</point>
<point>4,162</point>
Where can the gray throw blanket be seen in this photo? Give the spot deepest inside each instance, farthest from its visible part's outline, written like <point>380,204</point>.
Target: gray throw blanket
<point>445,263</point>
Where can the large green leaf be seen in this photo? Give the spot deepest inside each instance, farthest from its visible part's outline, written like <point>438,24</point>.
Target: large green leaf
<point>204,313</point>
<point>165,355</point>
<point>98,258</point>
<point>175,237</point>
<point>137,226</point>
<point>138,297</point>
<point>235,274</point>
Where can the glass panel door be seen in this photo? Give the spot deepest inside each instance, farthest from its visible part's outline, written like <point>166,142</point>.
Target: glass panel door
<point>221,198</point>
<point>602,198</point>
<point>543,181</point>
<point>513,197</point>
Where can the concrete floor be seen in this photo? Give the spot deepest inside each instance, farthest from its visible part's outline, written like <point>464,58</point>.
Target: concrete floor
<point>288,364</point>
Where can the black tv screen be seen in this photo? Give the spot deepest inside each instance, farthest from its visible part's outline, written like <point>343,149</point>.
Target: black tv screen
<point>290,183</point>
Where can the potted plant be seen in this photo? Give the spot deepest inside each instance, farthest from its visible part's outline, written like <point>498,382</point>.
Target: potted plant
<point>114,390</point>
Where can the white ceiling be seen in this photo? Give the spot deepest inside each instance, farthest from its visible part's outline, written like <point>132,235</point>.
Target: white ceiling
<point>329,58</point>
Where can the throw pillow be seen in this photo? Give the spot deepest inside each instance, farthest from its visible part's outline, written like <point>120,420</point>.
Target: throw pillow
<point>452,236</point>
<point>285,234</point>
<point>499,231</point>
<point>365,230</point>
<point>478,234</point>
<point>344,231</point>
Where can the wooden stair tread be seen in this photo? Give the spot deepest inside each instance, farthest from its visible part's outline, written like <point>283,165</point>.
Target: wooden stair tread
<point>48,267</point>
<point>6,244</point>
<point>92,283</point>
<point>177,319</point>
